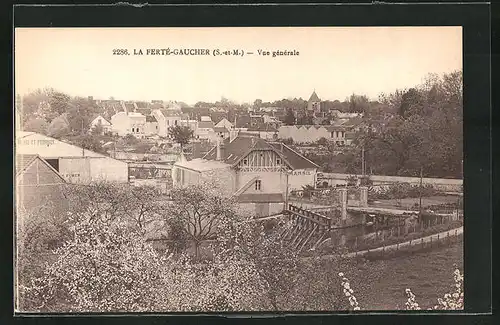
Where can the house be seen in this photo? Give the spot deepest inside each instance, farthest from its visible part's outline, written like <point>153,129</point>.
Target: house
<point>192,124</point>
<point>74,164</point>
<point>37,184</point>
<point>304,133</point>
<point>258,173</point>
<point>337,134</point>
<point>204,128</point>
<point>272,121</point>
<point>151,126</point>
<point>99,121</point>
<point>218,133</point>
<point>124,123</point>
<point>167,118</point>
<point>224,123</point>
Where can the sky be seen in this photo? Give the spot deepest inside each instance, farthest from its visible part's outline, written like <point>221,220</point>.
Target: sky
<point>333,61</point>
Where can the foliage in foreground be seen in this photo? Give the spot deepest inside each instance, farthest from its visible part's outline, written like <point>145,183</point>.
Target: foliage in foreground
<point>450,301</point>
<point>104,262</point>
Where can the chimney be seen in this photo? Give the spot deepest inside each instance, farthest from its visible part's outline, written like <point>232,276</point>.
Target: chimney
<point>343,204</point>
<point>363,196</point>
<point>219,150</point>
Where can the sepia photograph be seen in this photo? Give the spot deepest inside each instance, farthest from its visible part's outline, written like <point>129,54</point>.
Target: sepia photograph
<point>238,169</point>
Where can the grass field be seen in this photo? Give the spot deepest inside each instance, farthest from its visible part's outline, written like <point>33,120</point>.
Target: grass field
<point>381,284</point>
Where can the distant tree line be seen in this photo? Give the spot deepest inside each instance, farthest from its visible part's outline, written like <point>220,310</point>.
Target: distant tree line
<point>425,133</point>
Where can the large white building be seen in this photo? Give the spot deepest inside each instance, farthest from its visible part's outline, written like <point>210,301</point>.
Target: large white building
<point>129,123</point>
<point>74,164</point>
<point>167,118</point>
<point>251,169</point>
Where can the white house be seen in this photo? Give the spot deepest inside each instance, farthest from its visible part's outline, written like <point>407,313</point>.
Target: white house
<point>167,118</point>
<point>102,122</point>
<point>256,172</point>
<point>129,123</point>
<point>74,164</point>
<point>151,126</point>
<point>204,129</point>
<point>312,133</point>
<point>224,123</point>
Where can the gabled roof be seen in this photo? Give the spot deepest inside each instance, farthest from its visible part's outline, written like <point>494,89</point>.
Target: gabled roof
<point>331,128</point>
<point>23,162</point>
<point>241,146</point>
<point>151,119</point>
<point>94,117</point>
<point>314,97</point>
<point>130,107</point>
<point>201,164</point>
<point>220,129</point>
<point>355,121</point>
<point>297,160</point>
<point>263,128</point>
<point>141,105</point>
<point>144,111</point>
<point>171,112</point>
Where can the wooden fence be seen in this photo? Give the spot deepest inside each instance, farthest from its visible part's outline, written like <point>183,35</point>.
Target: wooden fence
<point>413,245</point>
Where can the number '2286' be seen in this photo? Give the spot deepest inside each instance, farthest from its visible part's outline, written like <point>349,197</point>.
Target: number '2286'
<point>120,52</point>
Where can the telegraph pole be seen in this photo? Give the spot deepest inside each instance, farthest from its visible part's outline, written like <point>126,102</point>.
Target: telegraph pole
<point>363,161</point>
<point>286,189</point>
<point>83,149</point>
<point>420,189</point>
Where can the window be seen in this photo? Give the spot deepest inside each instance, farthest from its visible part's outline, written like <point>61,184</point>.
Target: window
<point>278,161</point>
<point>258,185</point>
<point>175,122</point>
<point>245,161</point>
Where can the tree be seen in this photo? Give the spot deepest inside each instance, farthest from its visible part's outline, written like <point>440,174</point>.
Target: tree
<point>257,104</point>
<point>199,209</point>
<point>59,102</point>
<point>290,117</point>
<point>322,141</point>
<point>180,134</point>
<point>87,141</point>
<point>104,267</point>
<point>411,103</point>
<point>59,127</point>
<point>80,114</point>
<point>305,120</point>
<point>358,103</point>
<point>130,140</point>
<point>37,125</point>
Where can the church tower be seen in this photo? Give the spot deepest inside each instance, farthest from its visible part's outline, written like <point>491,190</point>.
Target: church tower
<point>314,104</point>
